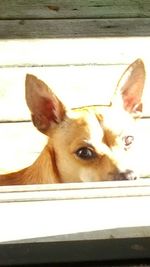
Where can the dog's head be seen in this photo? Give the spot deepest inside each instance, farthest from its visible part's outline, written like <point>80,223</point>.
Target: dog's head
<point>90,143</point>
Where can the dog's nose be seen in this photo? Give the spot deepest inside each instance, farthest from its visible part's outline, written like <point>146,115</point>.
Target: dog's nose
<point>126,175</point>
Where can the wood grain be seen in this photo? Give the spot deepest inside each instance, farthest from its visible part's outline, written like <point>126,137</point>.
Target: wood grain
<point>73,9</point>
<point>70,28</point>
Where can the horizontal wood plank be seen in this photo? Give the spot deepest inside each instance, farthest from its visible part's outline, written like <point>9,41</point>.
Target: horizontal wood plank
<point>73,9</point>
<point>75,191</point>
<point>63,52</point>
<point>77,215</point>
<point>20,145</point>
<point>74,85</point>
<point>70,249</point>
<point>70,28</point>
<point>124,228</point>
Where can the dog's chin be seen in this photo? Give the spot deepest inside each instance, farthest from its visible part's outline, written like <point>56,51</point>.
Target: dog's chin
<point>126,175</point>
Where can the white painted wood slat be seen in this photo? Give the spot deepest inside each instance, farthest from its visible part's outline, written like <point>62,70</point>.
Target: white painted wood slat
<point>49,218</point>
<point>74,85</point>
<point>63,52</point>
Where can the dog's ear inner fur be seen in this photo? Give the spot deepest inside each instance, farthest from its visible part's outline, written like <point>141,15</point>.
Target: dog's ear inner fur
<point>130,87</point>
<point>44,105</point>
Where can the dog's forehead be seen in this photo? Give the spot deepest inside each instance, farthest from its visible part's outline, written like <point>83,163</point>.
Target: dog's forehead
<point>118,121</point>
<point>84,121</point>
<point>103,118</point>
<point>86,112</point>
<point>85,116</point>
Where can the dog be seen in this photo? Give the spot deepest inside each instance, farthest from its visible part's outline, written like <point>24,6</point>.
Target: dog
<point>87,144</point>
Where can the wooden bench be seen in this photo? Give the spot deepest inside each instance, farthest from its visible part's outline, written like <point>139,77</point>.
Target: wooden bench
<point>80,48</point>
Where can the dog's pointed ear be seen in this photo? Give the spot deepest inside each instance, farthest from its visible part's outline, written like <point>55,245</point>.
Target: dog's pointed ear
<point>44,105</point>
<point>130,88</point>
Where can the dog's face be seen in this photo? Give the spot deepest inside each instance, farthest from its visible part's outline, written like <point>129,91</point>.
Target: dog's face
<point>90,143</point>
<point>94,144</point>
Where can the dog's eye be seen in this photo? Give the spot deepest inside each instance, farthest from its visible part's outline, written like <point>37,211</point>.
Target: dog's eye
<point>85,153</point>
<point>128,140</point>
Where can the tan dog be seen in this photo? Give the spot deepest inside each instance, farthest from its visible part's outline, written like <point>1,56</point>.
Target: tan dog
<point>84,144</point>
